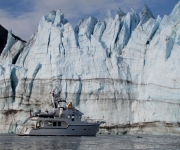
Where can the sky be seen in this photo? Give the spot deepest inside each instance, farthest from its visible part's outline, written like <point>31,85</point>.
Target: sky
<point>23,16</point>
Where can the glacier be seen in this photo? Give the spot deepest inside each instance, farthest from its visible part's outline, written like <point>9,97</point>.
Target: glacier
<point>123,69</point>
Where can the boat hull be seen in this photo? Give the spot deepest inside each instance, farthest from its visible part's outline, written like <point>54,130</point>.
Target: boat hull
<point>71,130</point>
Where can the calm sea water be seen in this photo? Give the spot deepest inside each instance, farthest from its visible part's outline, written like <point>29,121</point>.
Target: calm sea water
<point>100,142</point>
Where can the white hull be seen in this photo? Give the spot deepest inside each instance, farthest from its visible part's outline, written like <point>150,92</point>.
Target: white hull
<point>71,130</point>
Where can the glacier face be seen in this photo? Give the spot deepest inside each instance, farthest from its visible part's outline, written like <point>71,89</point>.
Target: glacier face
<point>123,69</point>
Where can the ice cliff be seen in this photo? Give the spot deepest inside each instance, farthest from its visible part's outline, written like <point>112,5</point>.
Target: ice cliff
<point>124,68</point>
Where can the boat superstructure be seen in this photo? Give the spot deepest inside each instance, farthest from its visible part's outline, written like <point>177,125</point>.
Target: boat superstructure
<point>63,120</point>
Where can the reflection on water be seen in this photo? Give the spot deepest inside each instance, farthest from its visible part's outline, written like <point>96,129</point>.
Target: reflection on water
<point>109,142</point>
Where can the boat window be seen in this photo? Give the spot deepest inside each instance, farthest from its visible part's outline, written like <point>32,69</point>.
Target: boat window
<point>49,123</point>
<point>72,117</point>
<point>54,123</point>
<point>40,123</point>
<point>69,116</point>
<point>59,123</point>
<point>37,124</point>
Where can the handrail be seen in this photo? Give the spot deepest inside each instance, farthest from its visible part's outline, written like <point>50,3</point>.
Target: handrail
<point>101,121</point>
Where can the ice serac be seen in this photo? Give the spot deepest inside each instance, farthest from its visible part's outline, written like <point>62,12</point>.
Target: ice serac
<point>130,22</point>
<point>4,36</point>
<point>120,12</point>
<point>146,14</point>
<point>123,69</point>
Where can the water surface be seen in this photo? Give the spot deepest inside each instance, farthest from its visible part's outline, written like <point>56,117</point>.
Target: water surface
<point>100,142</point>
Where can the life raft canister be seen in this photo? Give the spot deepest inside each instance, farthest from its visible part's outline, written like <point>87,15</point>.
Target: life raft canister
<point>70,105</point>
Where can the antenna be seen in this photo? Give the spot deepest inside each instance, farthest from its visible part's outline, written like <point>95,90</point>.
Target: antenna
<point>53,95</point>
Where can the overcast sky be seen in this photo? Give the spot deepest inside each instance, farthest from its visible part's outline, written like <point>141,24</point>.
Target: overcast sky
<point>23,16</point>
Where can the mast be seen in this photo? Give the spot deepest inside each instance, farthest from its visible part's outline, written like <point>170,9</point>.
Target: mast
<point>52,95</point>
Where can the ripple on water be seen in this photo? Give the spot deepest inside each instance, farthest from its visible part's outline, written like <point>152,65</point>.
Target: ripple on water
<point>109,142</point>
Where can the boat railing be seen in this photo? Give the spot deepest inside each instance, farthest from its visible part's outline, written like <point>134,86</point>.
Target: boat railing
<point>101,121</point>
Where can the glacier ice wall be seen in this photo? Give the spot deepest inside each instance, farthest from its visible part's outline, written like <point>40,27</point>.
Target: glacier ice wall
<point>124,68</point>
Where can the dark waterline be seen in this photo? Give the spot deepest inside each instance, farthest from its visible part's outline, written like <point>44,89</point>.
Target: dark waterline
<point>100,142</point>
